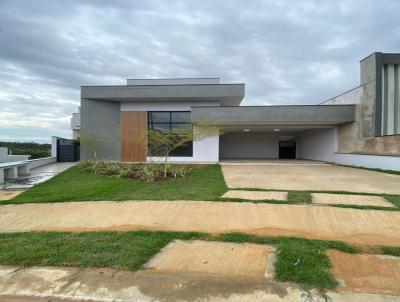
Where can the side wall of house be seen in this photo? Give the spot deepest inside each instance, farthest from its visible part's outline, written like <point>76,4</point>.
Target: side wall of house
<point>100,125</point>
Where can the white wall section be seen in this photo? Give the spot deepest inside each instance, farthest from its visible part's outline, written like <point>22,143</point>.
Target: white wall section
<point>321,144</point>
<point>205,147</point>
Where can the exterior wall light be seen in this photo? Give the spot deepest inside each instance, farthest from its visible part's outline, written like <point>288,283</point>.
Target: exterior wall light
<point>246,130</point>
<point>277,130</point>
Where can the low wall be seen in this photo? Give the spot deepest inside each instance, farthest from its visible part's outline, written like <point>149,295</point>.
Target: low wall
<point>35,163</point>
<point>12,158</point>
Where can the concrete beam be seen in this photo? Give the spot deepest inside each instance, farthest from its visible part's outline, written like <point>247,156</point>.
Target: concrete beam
<point>315,114</point>
<point>227,94</point>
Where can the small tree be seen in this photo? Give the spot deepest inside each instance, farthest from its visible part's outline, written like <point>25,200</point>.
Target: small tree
<point>92,142</point>
<point>163,143</point>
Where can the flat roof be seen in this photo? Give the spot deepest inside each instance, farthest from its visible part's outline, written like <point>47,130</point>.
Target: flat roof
<point>225,94</point>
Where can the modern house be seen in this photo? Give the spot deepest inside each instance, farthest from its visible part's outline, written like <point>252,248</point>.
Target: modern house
<point>359,127</point>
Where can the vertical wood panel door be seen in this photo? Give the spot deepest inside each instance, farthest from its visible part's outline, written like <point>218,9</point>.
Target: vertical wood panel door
<point>133,136</point>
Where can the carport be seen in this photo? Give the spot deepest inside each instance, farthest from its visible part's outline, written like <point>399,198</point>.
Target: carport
<point>275,132</point>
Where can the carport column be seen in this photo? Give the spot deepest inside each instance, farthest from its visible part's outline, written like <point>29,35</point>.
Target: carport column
<point>12,173</point>
<point>1,176</point>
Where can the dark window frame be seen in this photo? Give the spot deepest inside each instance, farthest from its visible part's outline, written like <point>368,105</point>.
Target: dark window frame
<point>182,151</point>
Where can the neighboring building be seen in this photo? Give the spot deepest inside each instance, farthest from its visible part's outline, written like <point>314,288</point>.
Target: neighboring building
<point>360,127</point>
<point>76,123</point>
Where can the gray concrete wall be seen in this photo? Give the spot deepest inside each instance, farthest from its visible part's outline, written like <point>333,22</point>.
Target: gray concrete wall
<point>226,94</point>
<point>275,114</point>
<point>350,97</point>
<point>100,122</point>
<point>249,145</point>
<point>351,140</point>
<point>363,136</point>
<point>371,95</point>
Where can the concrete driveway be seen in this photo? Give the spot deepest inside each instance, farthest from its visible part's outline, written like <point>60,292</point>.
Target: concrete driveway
<point>312,176</point>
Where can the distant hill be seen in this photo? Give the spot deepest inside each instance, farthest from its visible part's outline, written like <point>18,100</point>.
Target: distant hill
<point>34,149</point>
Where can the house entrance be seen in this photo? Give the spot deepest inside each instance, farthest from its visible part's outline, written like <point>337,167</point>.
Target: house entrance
<point>287,148</point>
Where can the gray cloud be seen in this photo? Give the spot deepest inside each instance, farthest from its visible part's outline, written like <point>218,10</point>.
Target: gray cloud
<point>287,52</point>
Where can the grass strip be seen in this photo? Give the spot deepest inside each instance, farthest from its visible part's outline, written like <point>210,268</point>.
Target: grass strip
<point>301,261</point>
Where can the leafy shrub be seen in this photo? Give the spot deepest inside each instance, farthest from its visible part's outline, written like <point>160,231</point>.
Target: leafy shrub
<point>177,171</point>
<point>145,172</point>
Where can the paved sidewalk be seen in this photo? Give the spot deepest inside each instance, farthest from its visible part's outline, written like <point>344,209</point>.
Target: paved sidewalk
<point>365,227</point>
<point>44,284</point>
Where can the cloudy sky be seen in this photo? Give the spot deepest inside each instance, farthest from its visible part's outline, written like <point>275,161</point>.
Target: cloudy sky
<point>287,52</point>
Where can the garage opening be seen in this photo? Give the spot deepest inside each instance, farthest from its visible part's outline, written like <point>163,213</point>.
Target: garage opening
<point>257,145</point>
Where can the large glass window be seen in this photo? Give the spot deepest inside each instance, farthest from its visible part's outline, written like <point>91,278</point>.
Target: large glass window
<point>172,122</point>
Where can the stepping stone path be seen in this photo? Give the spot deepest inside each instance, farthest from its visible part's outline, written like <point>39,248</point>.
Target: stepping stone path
<point>359,200</point>
<point>375,274</point>
<point>256,195</point>
<point>219,259</point>
<point>9,194</point>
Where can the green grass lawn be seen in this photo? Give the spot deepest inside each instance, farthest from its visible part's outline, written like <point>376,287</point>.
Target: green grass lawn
<point>203,182</point>
<point>130,250</point>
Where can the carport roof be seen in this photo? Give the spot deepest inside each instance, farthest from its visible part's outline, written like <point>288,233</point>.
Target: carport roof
<point>264,115</point>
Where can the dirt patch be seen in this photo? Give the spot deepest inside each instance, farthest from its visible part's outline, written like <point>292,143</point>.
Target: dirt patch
<point>359,200</point>
<point>324,177</point>
<point>32,299</point>
<point>256,195</point>
<point>9,194</point>
<point>352,225</point>
<point>222,259</point>
<point>366,273</point>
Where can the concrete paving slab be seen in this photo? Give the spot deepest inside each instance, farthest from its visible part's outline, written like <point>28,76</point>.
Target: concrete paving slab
<point>223,259</point>
<point>359,200</point>
<point>256,195</point>
<point>9,194</point>
<point>322,177</point>
<point>364,227</point>
<point>366,273</point>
